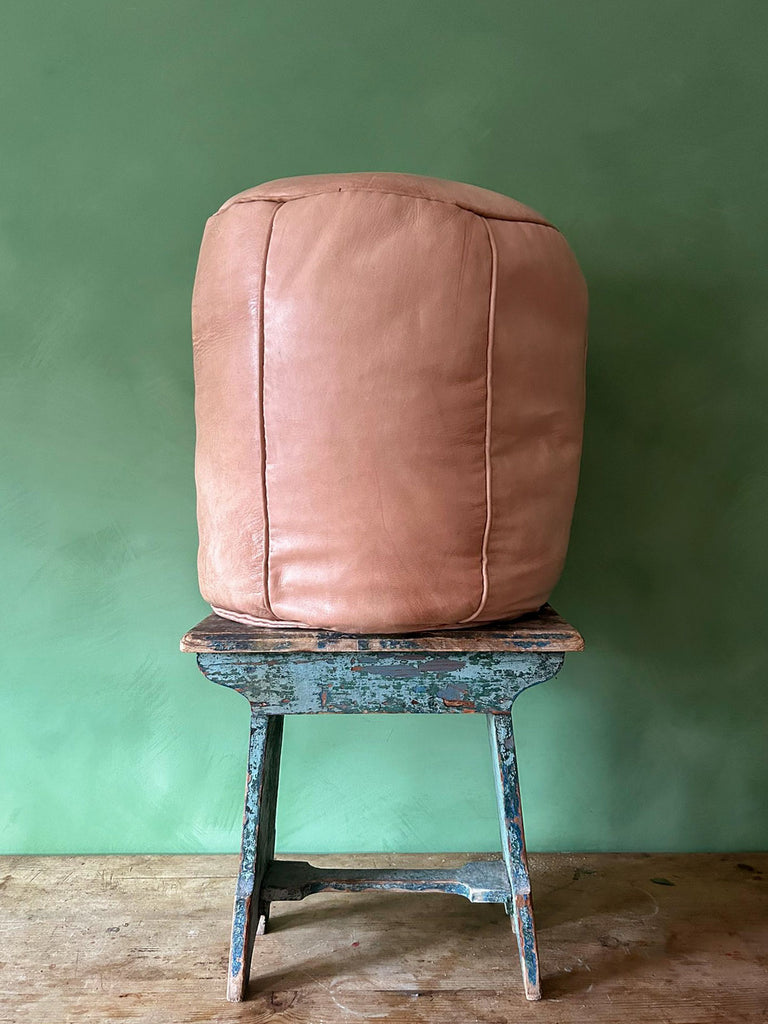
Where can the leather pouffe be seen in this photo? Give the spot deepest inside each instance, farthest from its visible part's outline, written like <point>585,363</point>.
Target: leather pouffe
<point>389,377</point>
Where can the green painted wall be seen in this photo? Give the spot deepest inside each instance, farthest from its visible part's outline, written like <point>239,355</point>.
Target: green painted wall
<point>639,129</point>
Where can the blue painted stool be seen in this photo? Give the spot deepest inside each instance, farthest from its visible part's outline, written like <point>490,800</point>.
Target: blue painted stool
<point>306,671</point>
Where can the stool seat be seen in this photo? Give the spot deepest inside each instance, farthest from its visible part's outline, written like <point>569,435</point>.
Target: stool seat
<point>288,671</point>
<point>543,630</point>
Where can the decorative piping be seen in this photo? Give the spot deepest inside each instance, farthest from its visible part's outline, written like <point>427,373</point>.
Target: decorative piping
<point>262,348</point>
<point>488,411</point>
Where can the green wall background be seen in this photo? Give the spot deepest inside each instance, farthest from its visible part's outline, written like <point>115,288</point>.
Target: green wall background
<point>638,128</point>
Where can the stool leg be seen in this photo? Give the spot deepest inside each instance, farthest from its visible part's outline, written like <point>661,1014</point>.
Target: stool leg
<point>519,908</point>
<point>257,849</point>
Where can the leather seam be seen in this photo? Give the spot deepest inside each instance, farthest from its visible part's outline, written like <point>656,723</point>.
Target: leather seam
<point>263,424</point>
<point>488,423</point>
<point>386,192</point>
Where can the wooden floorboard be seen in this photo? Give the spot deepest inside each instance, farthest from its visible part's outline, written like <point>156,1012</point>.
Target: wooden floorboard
<point>635,938</point>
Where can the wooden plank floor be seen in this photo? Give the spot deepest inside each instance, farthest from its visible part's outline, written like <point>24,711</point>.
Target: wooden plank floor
<point>635,938</point>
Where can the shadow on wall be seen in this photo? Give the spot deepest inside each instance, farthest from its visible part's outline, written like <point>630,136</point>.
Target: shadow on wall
<point>667,544</point>
<point>665,574</point>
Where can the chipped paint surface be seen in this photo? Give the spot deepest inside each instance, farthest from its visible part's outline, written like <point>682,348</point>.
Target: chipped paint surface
<point>539,631</point>
<point>525,933</point>
<point>478,881</point>
<point>520,907</point>
<point>257,847</point>
<point>398,682</point>
<point>278,684</point>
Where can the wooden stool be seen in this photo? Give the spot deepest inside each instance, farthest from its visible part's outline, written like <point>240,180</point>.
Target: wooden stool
<point>306,671</point>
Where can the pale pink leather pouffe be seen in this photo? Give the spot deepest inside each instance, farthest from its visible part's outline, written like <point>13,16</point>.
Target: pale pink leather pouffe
<point>389,376</point>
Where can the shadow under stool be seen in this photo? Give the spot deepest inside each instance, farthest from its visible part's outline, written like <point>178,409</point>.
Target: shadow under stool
<point>306,671</point>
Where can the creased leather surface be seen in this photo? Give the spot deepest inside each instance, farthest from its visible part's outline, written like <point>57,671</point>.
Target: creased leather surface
<point>538,414</point>
<point>389,400</point>
<point>455,193</point>
<point>226,318</point>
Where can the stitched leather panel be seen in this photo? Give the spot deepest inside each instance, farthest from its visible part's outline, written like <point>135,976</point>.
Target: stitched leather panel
<point>374,407</point>
<point>538,412</point>
<point>469,197</point>
<point>226,329</point>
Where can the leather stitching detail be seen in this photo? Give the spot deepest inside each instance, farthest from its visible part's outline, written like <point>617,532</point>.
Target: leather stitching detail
<point>262,353</point>
<point>534,218</point>
<point>488,414</point>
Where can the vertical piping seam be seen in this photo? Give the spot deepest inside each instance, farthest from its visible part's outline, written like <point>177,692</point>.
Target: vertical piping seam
<point>263,424</point>
<point>488,412</point>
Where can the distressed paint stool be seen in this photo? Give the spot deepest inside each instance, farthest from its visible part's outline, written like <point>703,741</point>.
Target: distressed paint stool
<point>283,671</point>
